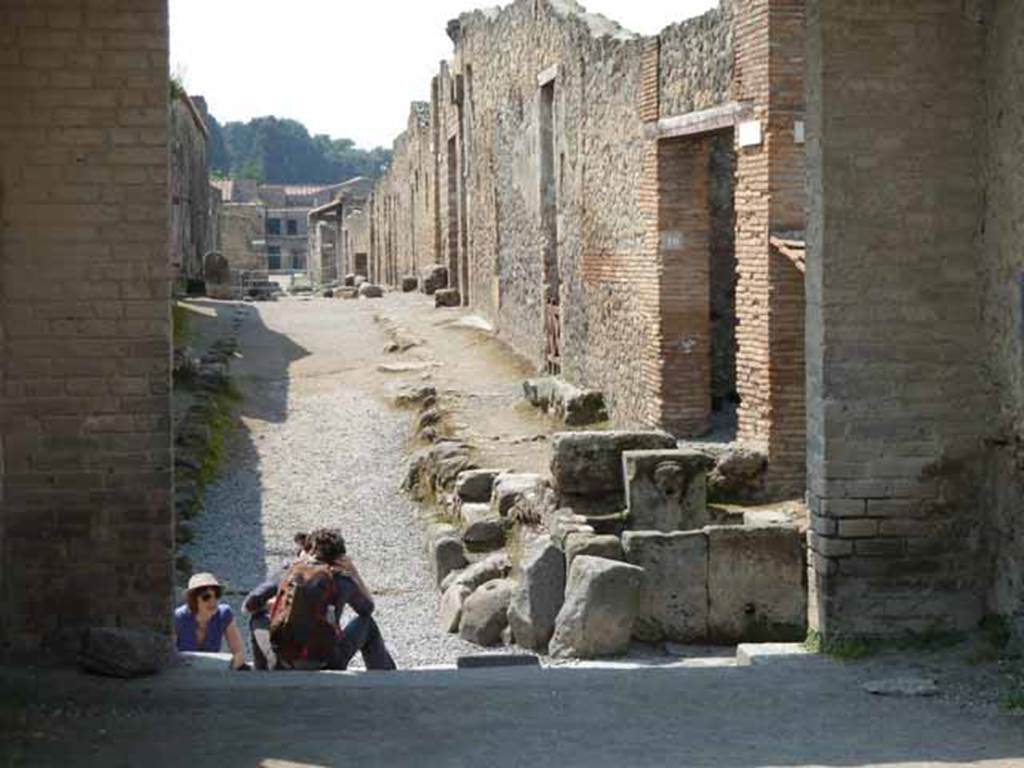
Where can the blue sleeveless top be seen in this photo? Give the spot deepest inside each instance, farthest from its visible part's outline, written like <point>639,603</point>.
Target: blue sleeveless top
<point>185,629</point>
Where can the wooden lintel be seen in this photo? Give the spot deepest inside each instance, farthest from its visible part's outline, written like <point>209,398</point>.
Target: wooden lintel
<point>696,123</point>
<point>794,250</point>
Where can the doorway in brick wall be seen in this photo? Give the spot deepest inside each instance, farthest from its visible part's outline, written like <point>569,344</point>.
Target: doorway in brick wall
<point>697,305</point>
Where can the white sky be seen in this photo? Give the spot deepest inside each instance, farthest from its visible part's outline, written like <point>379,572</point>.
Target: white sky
<point>348,68</point>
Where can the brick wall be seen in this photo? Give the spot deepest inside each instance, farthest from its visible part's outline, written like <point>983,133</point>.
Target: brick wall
<point>771,199</point>
<point>898,405</point>
<point>84,319</point>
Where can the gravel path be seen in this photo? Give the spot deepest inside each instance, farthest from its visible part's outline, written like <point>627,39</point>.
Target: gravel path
<point>320,445</point>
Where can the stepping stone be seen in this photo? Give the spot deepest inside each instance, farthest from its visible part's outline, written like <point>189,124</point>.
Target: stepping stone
<point>489,661</point>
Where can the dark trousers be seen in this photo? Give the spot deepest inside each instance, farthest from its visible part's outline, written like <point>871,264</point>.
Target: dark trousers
<point>362,635</point>
<point>259,635</point>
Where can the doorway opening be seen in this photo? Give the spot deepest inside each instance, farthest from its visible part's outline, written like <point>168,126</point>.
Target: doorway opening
<point>549,232</point>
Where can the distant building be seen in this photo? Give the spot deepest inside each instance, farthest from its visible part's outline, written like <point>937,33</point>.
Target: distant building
<point>282,246</point>
<point>339,234</point>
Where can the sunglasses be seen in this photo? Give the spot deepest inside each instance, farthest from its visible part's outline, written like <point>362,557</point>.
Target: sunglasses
<point>207,594</point>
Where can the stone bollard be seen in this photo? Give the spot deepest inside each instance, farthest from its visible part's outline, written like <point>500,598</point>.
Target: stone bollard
<point>447,298</point>
<point>666,490</point>
<point>435,278</point>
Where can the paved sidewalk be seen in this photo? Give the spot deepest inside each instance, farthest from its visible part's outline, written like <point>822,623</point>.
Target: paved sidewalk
<point>808,713</point>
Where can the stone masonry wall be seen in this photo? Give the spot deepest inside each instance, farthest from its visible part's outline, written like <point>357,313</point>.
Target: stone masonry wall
<point>84,320</point>
<point>1004,301</point>
<point>242,225</point>
<point>625,327</point>
<point>898,402</point>
<point>696,62</point>
<point>190,190</point>
<point>404,203</point>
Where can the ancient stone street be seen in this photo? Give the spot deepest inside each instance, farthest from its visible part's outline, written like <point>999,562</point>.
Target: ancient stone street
<point>320,444</point>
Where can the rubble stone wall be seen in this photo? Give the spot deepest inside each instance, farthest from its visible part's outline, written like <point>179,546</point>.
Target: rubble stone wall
<point>696,62</point>
<point>190,190</point>
<point>538,204</point>
<point>404,203</point>
<point>84,321</point>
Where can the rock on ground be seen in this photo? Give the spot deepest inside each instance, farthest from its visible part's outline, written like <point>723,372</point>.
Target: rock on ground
<point>590,463</point>
<point>599,611</point>
<point>451,606</point>
<point>539,594</point>
<point>608,547</point>
<point>485,613</point>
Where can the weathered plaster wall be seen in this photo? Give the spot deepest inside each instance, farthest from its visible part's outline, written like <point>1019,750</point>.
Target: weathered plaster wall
<point>1004,299</point>
<point>243,226</point>
<point>404,201</point>
<point>898,401</point>
<point>189,190</point>
<point>84,321</point>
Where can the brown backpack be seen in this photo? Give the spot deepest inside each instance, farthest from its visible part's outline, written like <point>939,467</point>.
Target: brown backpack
<point>300,633</point>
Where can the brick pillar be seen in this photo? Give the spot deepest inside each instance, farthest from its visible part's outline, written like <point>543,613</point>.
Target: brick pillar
<point>84,320</point>
<point>771,200</point>
<point>684,316</point>
<point>897,404</point>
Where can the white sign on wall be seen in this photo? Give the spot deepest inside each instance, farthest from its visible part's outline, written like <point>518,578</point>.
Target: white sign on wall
<point>799,132</point>
<point>750,133</point>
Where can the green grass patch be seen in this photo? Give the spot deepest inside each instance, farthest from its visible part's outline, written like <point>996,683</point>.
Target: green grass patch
<point>840,648</point>
<point>1013,701</point>
<point>181,325</point>
<point>222,422</point>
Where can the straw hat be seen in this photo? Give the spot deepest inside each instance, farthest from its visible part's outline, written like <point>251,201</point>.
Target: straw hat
<point>200,580</point>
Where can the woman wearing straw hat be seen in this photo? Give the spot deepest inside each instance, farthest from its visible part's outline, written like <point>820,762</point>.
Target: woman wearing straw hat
<point>203,622</point>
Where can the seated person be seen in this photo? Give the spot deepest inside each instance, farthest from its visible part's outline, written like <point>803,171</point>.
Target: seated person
<point>304,632</point>
<point>203,622</point>
<point>260,602</point>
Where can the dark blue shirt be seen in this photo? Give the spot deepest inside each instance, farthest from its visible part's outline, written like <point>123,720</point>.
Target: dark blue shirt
<point>346,593</point>
<point>186,629</point>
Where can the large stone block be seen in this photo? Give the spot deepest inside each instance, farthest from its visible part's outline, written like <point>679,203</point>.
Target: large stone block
<point>756,586</point>
<point>447,297</point>
<point>446,555</point>
<point>433,279</point>
<point>496,566</point>
<point>600,608</point>
<point>451,607</point>
<point>515,489</point>
<point>485,613</point>
<point>476,485</point>
<point>666,490</point>
<point>673,602</point>
<point>585,543</point>
<point>483,529</point>
<point>590,463</point>
<point>539,596</point>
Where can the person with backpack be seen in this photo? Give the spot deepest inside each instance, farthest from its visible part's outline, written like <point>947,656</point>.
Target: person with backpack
<point>260,602</point>
<point>305,623</point>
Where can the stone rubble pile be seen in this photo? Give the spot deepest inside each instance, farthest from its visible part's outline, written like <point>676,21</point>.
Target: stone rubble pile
<point>618,544</point>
